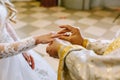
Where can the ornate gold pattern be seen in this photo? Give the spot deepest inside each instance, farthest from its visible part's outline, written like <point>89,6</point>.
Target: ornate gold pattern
<point>62,55</point>
<point>113,46</point>
<point>61,62</point>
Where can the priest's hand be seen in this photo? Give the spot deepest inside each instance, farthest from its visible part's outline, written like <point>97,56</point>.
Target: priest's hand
<point>71,34</point>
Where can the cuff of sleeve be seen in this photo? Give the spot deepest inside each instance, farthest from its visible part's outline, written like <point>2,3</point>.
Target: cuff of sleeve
<point>32,41</point>
<point>63,50</point>
<point>29,42</point>
<point>85,43</point>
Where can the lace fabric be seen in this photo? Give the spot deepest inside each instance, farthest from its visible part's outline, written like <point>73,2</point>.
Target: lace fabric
<point>10,49</point>
<point>15,67</point>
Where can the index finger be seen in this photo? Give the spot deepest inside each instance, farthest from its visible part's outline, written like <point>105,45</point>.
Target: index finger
<point>57,35</point>
<point>63,31</point>
<point>68,27</point>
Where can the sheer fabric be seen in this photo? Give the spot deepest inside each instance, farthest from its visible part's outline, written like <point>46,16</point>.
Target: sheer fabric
<point>13,66</point>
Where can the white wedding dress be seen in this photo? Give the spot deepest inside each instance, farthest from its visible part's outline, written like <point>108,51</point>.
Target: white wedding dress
<point>13,66</point>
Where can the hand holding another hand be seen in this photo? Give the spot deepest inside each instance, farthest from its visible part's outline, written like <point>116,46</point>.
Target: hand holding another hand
<point>52,48</point>
<point>46,38</point>
<point>75,36</point>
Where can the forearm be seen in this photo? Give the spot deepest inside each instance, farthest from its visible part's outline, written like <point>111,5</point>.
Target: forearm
<point>10,49</point>
<point>98,46</point>
<point>86,65</point>
<point>12,33</point>
<point>76,63</point>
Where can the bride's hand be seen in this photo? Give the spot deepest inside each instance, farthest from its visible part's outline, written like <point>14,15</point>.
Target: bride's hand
<point>46,38</point>
<point>29,59</point>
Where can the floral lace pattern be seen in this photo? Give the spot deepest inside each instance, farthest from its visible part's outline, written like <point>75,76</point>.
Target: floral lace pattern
<point>16,68</point>
<point>10,49</point>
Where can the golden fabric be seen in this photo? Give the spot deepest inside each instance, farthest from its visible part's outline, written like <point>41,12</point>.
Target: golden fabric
<point>61,62</point>
<point>62,53</point>
<point>113,46</point>
<point>85,42</point>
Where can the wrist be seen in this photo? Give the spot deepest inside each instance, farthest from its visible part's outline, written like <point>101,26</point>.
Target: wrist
<point>37,40</point>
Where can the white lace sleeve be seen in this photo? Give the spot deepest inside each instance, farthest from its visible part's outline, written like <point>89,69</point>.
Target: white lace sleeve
<point>10,49</point>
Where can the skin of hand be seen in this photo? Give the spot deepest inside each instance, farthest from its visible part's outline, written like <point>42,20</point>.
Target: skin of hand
<point>29,59</point>
<point>46,38</point>
<point>52,48</point>
<point>74,38</point>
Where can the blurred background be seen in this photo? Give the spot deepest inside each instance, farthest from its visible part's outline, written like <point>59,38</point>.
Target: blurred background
<point>97,19</point>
